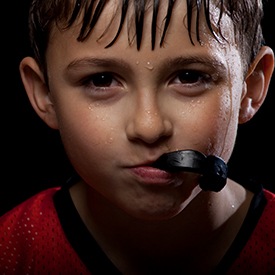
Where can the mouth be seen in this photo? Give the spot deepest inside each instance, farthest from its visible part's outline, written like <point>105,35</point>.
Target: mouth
<point>165,169</point>
<point>151,175</point>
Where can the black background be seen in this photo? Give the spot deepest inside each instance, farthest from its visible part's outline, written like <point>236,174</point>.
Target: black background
<point>32,157</point>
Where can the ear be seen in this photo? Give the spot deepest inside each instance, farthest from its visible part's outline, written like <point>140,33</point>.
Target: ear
<point>256,84</point>
<point>37,91</point>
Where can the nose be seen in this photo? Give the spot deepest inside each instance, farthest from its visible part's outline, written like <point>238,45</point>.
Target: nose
<point>147,122</point>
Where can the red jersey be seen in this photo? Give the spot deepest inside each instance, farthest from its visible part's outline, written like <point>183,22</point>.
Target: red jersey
<point>45,235</point>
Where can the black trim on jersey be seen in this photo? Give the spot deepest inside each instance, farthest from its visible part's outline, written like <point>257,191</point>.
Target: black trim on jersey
<point>78,235</point>
<point>254,213</point>
<point>97,261</point>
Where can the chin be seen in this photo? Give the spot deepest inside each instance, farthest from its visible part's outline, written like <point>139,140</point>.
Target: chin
<point>157,210</point>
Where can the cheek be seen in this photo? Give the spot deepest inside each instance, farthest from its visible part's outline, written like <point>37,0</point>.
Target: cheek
<point>86,133</point>
<point>223,124</point>
<point>210,125</point>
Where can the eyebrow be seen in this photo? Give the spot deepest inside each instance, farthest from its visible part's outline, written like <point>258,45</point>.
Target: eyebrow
<point>169,62</point>
<point>189,60</point>
<point>100,62</point>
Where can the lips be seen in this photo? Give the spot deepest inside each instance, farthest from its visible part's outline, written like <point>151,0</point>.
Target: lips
<point>151,175</point>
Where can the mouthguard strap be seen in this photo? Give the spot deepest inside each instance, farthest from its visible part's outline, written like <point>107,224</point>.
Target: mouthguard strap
<point>212,168</point>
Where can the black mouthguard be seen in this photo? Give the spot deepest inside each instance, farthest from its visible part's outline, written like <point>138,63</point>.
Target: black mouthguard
<point>212,168</point>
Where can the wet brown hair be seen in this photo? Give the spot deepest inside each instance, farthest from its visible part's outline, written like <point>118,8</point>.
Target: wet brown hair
<point>246,16</point>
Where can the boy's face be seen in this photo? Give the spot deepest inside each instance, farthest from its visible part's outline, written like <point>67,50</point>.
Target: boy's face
<point>118,109</point>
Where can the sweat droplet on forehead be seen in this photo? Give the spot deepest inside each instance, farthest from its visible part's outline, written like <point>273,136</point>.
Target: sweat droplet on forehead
<point>148,65</point>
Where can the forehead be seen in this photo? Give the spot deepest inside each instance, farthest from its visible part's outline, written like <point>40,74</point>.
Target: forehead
<point>65,48</point>
<point>148,18</point>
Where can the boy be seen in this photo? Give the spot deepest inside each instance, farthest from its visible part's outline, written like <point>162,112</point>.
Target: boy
<point>127,83</point>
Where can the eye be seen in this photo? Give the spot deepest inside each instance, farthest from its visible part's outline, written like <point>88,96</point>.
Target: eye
<point>192,82</point>
<point>102,86</point>
<point>191,77</point>
<point>101,80</point>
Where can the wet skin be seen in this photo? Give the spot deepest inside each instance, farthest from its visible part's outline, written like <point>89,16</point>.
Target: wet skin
<point>119,109</point>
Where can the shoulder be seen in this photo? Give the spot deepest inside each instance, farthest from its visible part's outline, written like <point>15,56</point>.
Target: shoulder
<point>267,221</point>
<point>27,218</point>
<point>264,233</point>
<point>269,211</point>
<point>23,227</point>
<point>258,254</point>
<point>269,196</point>
<point>31,209</point>
<point>32,238</point>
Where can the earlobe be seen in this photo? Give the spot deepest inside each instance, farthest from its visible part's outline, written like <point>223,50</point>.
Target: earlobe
<point>256,84</point>
<point>37,91</point>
